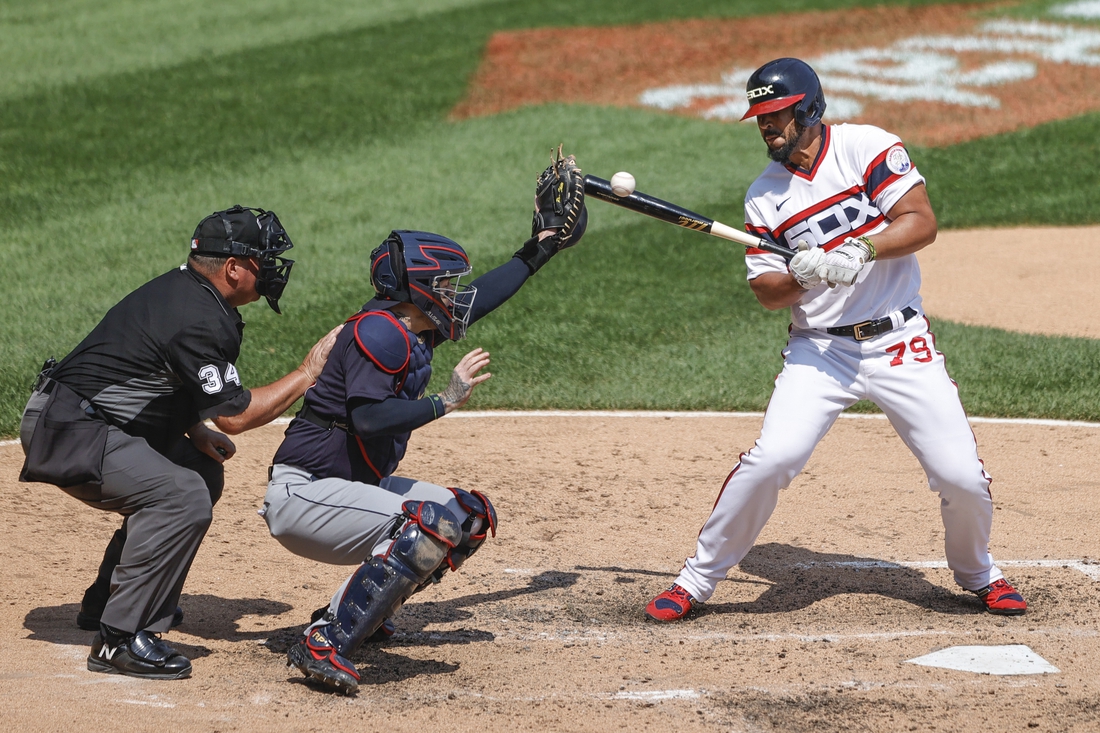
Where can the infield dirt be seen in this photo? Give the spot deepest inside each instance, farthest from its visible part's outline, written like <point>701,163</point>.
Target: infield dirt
<point>544,630</point>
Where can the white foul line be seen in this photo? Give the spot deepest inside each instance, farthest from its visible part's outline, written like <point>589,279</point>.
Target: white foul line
<point>476,414</point>
<point>473,414</point>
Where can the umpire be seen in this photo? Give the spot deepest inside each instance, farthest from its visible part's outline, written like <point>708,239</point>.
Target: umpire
<point>118,424</point>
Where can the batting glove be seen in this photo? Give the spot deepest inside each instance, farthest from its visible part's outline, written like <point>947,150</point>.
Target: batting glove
<point>843,264</point>
<point>806,263</point>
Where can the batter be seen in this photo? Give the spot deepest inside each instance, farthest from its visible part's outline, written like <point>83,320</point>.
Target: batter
<point>853,205</point>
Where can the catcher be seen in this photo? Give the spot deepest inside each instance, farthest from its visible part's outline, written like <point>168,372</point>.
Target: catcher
<point>332,496</point>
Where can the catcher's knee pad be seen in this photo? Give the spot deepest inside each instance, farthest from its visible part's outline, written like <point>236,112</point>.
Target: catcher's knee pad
<point>481,520</point>
<point>382,584</point>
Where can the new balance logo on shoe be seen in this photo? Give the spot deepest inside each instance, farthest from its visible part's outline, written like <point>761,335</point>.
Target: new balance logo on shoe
<point>142,655</point>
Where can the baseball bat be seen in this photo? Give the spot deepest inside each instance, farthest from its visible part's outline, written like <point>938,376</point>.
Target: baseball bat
<point>650,206</point>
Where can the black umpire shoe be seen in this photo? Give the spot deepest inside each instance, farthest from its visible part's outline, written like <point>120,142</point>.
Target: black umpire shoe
<point>142,655</point>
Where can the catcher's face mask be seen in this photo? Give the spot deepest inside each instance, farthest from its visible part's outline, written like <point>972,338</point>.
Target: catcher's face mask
<point>249,232</point>
<point>426,270</point>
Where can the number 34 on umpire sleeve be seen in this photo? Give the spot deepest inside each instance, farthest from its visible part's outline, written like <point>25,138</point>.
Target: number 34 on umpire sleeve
<point>211,379</point>
<point>917,346</point>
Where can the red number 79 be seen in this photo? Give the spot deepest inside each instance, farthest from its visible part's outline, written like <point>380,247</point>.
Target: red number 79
<point>918,346</point>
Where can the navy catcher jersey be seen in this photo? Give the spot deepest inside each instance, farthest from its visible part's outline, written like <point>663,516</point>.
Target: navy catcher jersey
<point>375,358</point>
<point>161,359</point>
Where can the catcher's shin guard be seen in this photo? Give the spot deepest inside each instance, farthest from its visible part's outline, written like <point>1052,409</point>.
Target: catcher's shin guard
<point>382,584</point>
<point>481,520</point>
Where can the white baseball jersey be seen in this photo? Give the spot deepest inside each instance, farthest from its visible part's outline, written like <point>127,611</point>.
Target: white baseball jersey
<point>859,174</point>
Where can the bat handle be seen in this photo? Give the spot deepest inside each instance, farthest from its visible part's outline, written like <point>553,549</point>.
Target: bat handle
<point>724,231</point>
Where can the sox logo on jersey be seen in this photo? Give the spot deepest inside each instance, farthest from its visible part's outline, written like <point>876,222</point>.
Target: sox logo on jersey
<point>843,219</point>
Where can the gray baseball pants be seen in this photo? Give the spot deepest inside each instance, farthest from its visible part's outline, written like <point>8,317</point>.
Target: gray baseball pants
<point>341,522</point>
<point>167,509</point>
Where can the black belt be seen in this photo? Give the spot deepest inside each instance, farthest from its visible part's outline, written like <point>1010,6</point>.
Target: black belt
<point>870,329</point>
<point>307,414</point>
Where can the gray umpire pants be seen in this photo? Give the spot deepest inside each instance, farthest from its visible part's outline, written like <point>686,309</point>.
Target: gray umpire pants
<point>167,509</point>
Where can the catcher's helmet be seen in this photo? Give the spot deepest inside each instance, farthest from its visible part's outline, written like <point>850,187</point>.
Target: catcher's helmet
<point>244,231</point>
<point>424,269</point>
<point>782,83</point>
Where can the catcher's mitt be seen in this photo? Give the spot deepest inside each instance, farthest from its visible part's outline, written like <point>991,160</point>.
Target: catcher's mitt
<point>559,199</point>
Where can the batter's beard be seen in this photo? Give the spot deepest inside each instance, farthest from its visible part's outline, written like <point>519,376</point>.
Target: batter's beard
<point>783,154</point>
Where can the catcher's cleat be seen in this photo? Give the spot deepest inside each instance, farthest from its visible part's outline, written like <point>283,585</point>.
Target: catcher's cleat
<point>317,659</point>
<point>1002,599</point>
<point>671,605</point>
<point>142,655</point>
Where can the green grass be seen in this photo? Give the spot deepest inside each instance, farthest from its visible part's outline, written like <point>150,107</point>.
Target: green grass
<point>1046,175</point>
<point>336,119</point>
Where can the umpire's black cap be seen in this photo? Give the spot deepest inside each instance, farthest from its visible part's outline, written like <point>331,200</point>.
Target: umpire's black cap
<point>235,231</point>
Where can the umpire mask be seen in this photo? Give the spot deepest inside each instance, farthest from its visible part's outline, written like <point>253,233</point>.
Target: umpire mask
<point>245,231</point>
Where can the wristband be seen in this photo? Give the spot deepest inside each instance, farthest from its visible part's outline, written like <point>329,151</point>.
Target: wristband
<point>870,247</point>
<point>437,406</point>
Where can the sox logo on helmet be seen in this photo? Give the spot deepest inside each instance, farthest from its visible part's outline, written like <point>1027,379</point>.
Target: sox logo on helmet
<point>782,83</point>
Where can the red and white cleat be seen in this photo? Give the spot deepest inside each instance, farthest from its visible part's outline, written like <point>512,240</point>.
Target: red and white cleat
<point>671,605</point>
<point>1002,599</point>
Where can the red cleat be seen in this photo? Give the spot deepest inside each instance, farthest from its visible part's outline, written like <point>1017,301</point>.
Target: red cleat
<point>672,605</point>
<point>1002,599</point>
<point>318,660</point>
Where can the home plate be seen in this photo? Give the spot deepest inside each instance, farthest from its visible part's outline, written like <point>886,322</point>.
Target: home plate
<point>1006,659</point>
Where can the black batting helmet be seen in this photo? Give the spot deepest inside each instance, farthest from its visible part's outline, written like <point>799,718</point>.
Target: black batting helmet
<point>425,269</point>
<point>245,231</point>
<point>784,83</point>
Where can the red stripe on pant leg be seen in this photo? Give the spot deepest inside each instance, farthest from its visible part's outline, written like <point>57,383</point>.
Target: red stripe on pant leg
<point>720,492</point>
<point>985,474</point>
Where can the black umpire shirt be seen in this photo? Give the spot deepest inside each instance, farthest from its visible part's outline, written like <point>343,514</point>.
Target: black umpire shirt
<point>161,359</point>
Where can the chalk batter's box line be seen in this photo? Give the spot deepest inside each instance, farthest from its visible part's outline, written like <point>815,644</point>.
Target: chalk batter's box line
<point>589,635</point>
<point>1090,568</point>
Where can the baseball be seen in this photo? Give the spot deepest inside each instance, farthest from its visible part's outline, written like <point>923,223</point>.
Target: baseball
<point>622,184</point>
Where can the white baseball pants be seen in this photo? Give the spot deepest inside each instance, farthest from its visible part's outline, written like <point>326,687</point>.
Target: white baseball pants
<point>902,373</point>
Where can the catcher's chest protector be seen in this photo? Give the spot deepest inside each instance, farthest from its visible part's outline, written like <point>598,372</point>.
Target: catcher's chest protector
<point>419,373</point>
<point>385,341</point>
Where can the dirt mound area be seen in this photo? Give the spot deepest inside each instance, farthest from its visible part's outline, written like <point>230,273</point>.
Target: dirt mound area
<point>543,629</point>
<point>935,75</point>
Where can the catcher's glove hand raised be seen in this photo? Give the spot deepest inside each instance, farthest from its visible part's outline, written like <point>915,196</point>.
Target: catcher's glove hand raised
<point>560,216</point>
<point>559,200</point>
